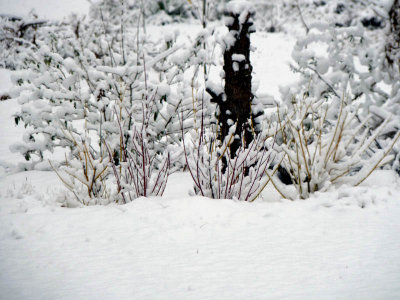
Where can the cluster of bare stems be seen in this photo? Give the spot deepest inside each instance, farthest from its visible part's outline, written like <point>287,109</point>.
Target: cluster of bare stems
<point>89,170</point>
<point>137,168</point>
<point>139,171</point>
<point>319,152</point>
<point>218,174</point>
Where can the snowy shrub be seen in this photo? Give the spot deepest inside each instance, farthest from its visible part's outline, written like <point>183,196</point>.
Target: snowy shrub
<point>139,171</point>
<point>337,13</point>
<point>328,145</point>
<point>86,175</point>
<point>77,93</point>
<point>17,34</point>
<point>219,174</point>
<point>333,59</point>
<point>157,12</point>
<point>130,151</point>
<point>110,97</point>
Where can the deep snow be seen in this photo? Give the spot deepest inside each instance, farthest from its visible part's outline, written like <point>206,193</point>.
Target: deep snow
<point>342,244</point>
<point>179,247</point>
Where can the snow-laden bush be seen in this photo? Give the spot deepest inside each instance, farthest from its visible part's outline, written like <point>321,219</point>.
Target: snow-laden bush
<point>139,170</point>
<point>328,141</point>
<point>219,174</point>
<point>84,90</point>
<point>326,144</point>
<point>85,176</point>
<point>129,149</point>
<point>332,59</point>
<point>16,34</point>
<point>98,73</point>
<point>158,12</point>
<point>297,15</point>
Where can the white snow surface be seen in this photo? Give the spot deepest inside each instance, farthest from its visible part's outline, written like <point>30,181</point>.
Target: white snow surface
<point>9,133</point>
<point>5,80</point>
<point>180,247</point>
<point>341,244</point>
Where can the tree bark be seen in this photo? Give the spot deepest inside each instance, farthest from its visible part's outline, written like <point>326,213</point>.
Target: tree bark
<point>393,45</point>
<point>235,103</point>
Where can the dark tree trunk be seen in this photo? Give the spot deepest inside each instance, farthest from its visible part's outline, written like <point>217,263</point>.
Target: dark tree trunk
<point>235,103</point>
<point>393,45</point>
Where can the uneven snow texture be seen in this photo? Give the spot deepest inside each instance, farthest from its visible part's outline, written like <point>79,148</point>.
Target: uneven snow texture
<point>342,244</point>
<point>338,245</point>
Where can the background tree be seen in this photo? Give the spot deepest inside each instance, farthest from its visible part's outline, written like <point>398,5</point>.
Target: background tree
<point>236,100</point>
<point>393,45</point>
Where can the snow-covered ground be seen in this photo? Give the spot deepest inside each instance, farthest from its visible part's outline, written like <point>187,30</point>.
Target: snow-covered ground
<point>338,245</point>
<point>342,244</point>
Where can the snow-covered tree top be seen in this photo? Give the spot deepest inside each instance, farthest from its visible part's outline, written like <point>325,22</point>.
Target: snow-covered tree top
<point>240,6</point>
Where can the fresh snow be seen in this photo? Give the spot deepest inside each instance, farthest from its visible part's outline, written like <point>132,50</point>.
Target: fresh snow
<point>9,133</point>
<point>5,80</point>
<point>340,244</point>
